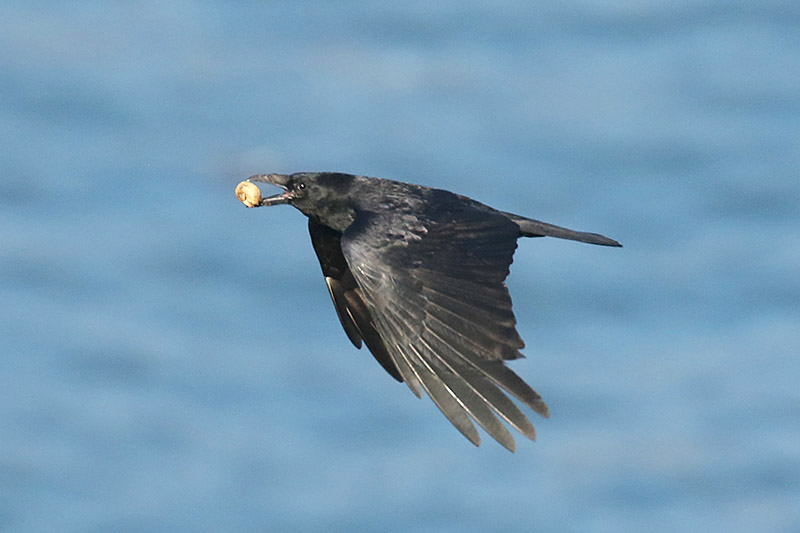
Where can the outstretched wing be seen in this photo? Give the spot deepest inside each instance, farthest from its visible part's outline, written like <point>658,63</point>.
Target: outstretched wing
<point>434,286</point>
<point>346,295</point>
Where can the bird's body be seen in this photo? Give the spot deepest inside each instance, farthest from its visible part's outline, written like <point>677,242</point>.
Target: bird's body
<point>418,274</point>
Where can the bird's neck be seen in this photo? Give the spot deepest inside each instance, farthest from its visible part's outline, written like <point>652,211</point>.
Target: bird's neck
<point>338,217</point>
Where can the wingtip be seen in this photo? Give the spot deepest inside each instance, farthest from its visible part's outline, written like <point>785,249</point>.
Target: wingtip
<point>541,407</point>
<point>530,432</point>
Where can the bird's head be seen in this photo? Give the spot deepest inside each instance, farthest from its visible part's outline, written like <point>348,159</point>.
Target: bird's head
<point>325,196</point>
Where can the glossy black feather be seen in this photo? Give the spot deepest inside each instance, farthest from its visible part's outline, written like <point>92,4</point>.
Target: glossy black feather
<point>346,296</point>
<point>420,293</point>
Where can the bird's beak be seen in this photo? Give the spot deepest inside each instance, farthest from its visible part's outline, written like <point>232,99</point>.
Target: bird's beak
<point>281,180</point>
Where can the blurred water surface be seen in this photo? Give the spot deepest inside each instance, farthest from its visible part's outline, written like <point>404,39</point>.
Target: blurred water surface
<point>170,360</point>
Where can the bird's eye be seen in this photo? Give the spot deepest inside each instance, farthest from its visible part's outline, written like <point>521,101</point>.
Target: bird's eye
<point>300,186</point>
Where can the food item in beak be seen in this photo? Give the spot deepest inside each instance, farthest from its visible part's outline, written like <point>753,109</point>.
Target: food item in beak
<point>248,193</point>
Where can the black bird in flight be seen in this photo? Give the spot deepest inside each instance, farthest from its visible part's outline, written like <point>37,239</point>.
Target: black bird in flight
<point>418,274</point>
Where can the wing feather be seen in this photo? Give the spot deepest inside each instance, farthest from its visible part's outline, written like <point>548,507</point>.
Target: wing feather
<point>470,398</point>
<point>394,329</point>
<point>463,390</point>
<point>445,398</point>
<point>347,299</point>
<point>482,384</point>
<point>435,286</point>
<point>346,317</point>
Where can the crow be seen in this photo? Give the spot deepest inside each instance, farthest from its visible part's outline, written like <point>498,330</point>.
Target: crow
<point>418,275</point>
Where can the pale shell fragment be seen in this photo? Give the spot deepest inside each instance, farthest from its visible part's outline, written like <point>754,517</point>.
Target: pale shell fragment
<point>248,193</point>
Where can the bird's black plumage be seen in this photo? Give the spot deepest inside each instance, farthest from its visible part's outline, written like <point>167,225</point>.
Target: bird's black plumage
<point>418,274</point>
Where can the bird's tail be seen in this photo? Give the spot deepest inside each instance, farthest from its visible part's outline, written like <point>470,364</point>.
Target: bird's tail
<point>536,228</point>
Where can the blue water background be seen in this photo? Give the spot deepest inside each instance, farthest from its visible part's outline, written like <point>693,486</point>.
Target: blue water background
<point>170,361</point>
